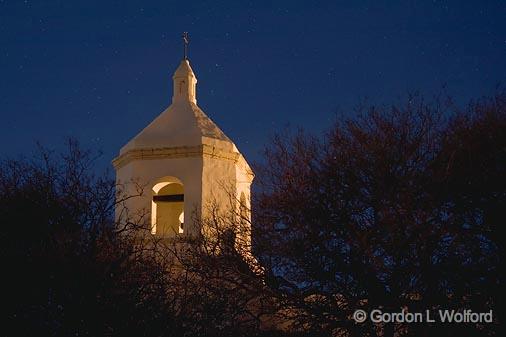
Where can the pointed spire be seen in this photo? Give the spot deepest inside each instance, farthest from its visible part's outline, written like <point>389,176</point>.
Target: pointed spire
<point>184,79</point>
<point>185,84</point>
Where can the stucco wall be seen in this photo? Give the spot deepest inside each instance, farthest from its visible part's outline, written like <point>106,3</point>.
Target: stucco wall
<point>148,172</point>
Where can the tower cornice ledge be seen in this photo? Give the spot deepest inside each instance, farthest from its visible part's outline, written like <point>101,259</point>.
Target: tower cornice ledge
<point>203,150</point>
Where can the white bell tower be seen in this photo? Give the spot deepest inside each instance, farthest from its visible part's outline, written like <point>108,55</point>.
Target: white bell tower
<point>182,162</point>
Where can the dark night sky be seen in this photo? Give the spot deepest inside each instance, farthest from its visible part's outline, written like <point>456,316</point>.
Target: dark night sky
<point>101,70</point>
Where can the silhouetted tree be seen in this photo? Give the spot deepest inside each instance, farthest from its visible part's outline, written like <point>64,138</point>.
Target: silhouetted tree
<point>399,207</point>
<point>65,270</point>
<point>69,269</point>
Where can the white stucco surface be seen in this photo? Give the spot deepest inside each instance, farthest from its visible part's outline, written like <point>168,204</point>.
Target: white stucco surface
<point>185,144</point>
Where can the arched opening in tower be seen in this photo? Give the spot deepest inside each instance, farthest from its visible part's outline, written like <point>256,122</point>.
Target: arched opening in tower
<point>167,211</point>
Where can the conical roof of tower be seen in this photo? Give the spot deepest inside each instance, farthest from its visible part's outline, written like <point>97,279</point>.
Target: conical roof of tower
<point>184,69</point>
<point>183,123</point>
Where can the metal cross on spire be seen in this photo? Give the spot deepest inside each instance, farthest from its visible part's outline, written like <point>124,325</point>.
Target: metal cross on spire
<point>186,41</point>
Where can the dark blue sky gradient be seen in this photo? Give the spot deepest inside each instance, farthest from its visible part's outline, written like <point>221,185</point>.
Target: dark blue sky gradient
<point>101,70</point>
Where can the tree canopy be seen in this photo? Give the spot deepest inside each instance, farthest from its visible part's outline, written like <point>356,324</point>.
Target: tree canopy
<point>396,208</point>
<point>399,207</point>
